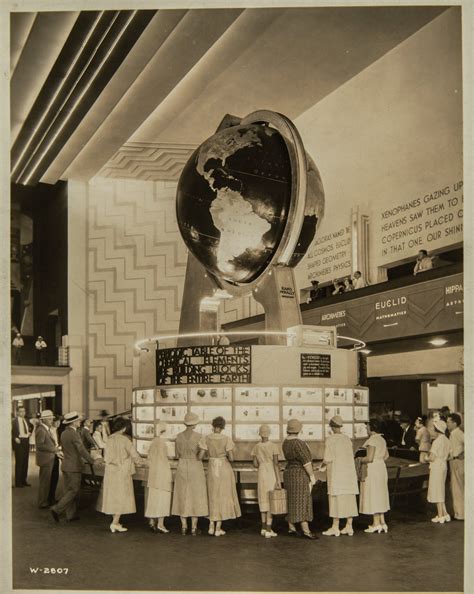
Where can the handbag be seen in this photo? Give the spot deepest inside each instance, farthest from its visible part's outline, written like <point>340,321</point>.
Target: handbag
<point>278,502</point>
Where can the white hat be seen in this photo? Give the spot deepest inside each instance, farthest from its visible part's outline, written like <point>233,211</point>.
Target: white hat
<point>47,414</point>
<point>440,425</point>
<point>70,417</point>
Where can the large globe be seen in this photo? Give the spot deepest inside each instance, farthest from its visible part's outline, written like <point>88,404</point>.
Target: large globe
<point>233,201</point>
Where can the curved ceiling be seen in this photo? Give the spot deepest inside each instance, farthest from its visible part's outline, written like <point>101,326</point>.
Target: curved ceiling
<point>130,93</point>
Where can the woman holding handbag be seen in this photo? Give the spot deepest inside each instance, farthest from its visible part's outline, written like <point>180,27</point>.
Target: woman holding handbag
<point>298,478</point>
<point>265,458</point>
<point>374,499</point>
<point>341,479</point>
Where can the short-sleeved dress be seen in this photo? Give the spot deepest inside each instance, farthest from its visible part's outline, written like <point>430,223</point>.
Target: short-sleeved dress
<point>297,484</point>
<point>117,495</point>
<point>341,476</point>
<point>267,478</point>
<point>423,439</point>
<point>374,497</point>
<point>159,485</point>
<point>190,491</point>
<point>223,500</point>
<point>438,469</point>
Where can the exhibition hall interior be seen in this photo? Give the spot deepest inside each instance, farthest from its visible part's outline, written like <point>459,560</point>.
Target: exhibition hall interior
<point>242,229</point>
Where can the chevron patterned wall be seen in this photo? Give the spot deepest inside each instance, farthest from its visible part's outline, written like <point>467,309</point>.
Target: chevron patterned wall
<point>135,275</point>
<point>148,161</point>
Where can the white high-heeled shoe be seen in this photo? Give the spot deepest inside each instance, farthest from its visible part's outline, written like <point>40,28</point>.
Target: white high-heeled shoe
<point>332,532</point>
<point>436,519</point>
<point>447,518</point>
<point>117,528</point>
<point>384,528</point>
<point>372,529</point>
<point>219,533</point>
<point>348,531</point>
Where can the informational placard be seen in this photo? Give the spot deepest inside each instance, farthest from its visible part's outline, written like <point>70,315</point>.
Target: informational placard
<point>211,395</point>
<point>145,430</point>
<point>303,413</point>
<point>345,412</point>
<point>144,396</point>
<point>257,413</point>
<point>315,365</point>
<point>311,432</point>
<point>339,395</point>
<point>170,413</point>
<point>174,395</point>
<point>257,394</point>
<point>361,396</point>
<point>361,413</point>
<point>143,446</point>
<point>360,430</point>
<point>143,413</point>
<point>428,221</point>
<point>207,413</point>
<point>204,365</point>
<point>172,430</point>
<point>310,395</point>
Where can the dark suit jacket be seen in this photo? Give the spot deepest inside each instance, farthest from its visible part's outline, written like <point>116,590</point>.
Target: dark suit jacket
<point>45,446</point>
<point>410,435</point>
<point>16,428</point>
<point>74,451</point>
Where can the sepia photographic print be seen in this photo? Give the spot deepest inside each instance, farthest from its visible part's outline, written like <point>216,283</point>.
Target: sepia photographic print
<point>236,272</point>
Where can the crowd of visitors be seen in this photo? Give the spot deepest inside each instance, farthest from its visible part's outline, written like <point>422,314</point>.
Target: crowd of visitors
<point>213,495</point>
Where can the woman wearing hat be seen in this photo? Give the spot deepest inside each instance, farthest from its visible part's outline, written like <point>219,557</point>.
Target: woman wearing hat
<point>159,486</point>
<point>341,478</point>
<point>438,457</point>
<point>299,479</point>
<point>374,499</point>
<point>223,500</point>
<point>423,439</point>
<point>117,496</point>
<point>190,491</point>
<point>265,458</point>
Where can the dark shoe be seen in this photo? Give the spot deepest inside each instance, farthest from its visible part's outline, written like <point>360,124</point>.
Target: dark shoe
<point>310,535</point>
<point>293,533</point>
<point>153,528</point>
<point>55,515</point>
<point>184,531</point>
<point>73,519</point>
<point>195,532</point>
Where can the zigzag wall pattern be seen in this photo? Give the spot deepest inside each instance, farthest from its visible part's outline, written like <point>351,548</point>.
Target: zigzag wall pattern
<point>148,161</point>
<point>135,277</point>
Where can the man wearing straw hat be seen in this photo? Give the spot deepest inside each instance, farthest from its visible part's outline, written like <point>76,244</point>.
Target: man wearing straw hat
<point>46,450</point>
<point>74,452</point>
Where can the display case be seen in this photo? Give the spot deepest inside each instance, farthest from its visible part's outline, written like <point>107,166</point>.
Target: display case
<point>245,408</point>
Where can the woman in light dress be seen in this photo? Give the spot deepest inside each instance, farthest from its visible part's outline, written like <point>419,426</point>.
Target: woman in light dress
<point>159,485</point>
<point>438,458</point>
<point>423,439</point>
<point>341,479</point>
<point>117,496</point>
<point>265,458</point>
<point>374,499</point>
<point>223,500</point>
<point>190,491</point>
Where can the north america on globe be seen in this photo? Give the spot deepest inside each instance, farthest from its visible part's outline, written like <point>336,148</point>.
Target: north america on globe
<point>233,200</point>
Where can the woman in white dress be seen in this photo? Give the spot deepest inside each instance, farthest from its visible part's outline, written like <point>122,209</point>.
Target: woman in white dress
<point>341,479</point>
<point>117,496</point>
<point>265,458</point>
<point>438,457</point>
<point>374,499</point>
<point>159,485</point>
<point>423,439</point>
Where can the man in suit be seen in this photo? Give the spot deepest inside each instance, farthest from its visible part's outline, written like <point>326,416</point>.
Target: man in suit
<point>74,452</point>
<point>46,457</point>
<point>407,439</point>
<point>21,431</point>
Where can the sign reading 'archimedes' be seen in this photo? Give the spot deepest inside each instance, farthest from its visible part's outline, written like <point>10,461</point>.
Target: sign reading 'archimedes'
<point>204,365</point>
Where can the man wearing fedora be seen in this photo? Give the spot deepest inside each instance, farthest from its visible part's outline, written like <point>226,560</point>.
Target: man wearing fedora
<point>46,457</point>
<point>74,452</point>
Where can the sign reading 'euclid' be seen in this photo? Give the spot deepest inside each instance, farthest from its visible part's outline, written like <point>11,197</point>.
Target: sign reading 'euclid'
<point>204,365</point>
<point>315,365</point>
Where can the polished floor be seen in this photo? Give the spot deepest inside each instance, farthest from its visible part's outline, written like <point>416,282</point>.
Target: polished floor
<point>415,555</point>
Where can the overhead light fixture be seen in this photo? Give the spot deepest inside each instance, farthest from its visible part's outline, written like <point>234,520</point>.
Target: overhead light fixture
<point>438,341</point>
